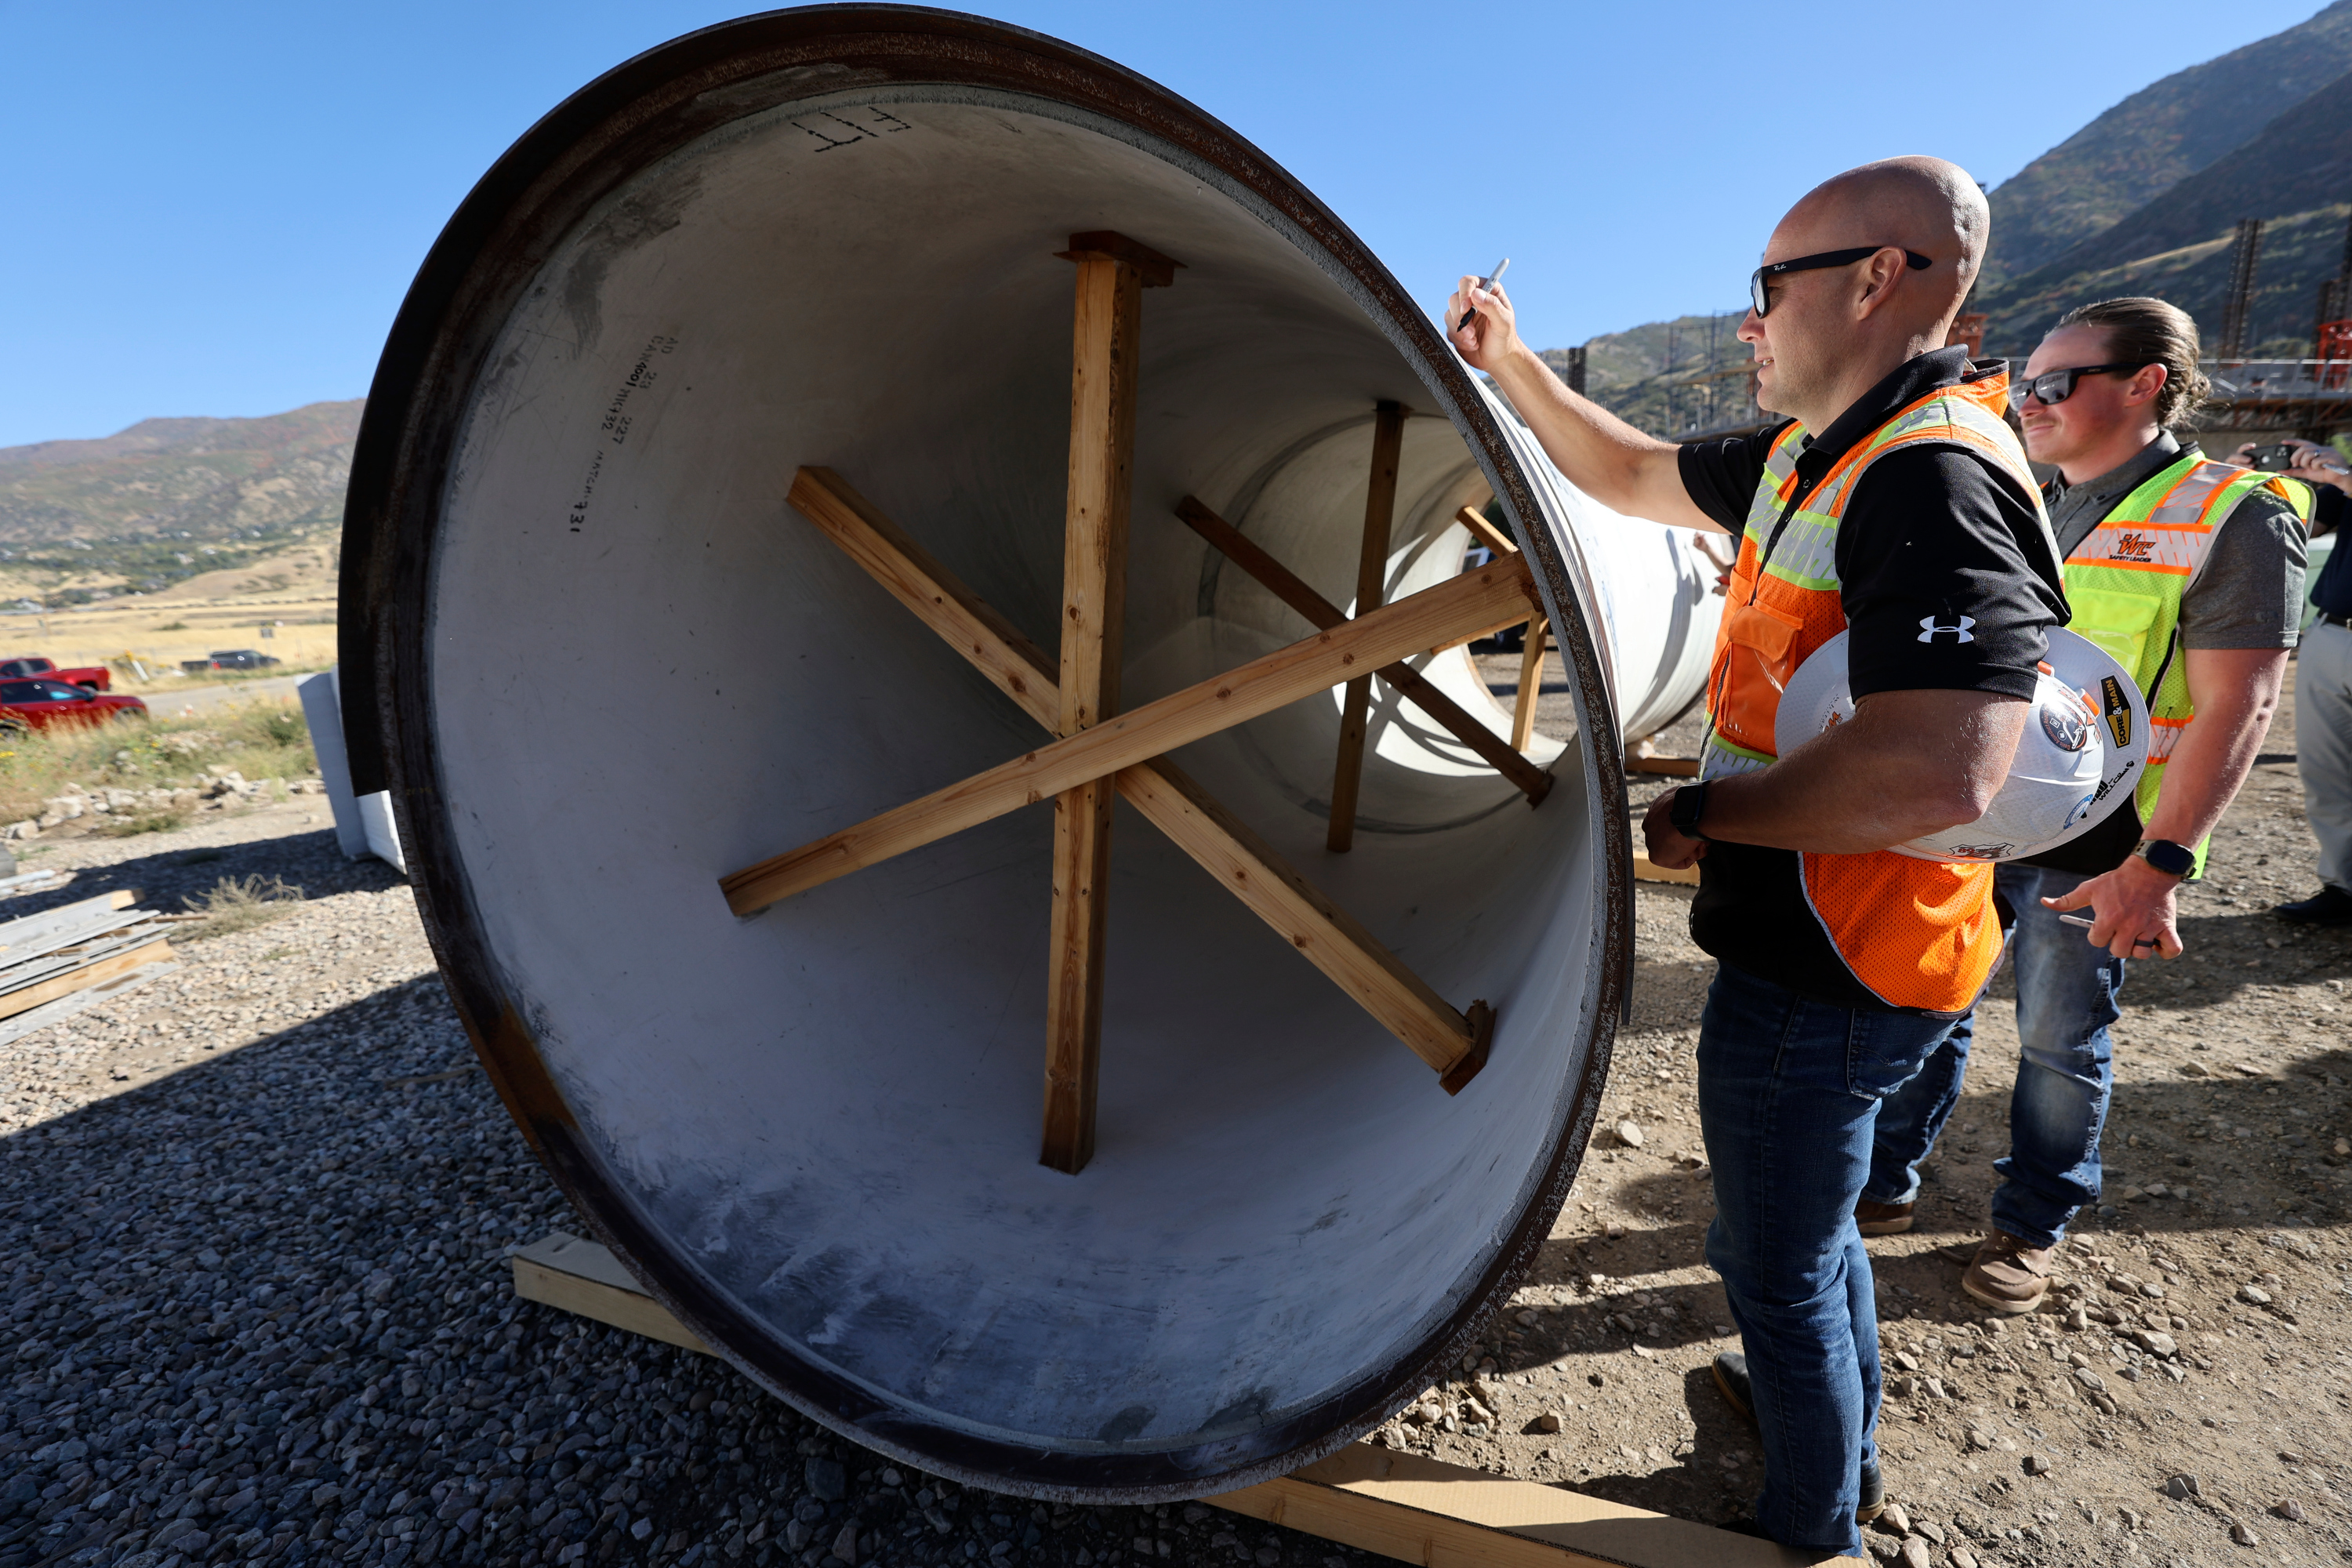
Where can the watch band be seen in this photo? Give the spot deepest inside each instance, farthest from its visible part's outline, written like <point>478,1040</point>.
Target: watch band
<point>1690,805</point>
<point>2164,855</point>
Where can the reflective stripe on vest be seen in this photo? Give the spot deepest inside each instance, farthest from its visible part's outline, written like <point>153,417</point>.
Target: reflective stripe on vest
<point>2126,581</point>
<point>1916,933</point>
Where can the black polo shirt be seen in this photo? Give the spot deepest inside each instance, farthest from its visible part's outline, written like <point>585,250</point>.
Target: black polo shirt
<point>1930,534</point>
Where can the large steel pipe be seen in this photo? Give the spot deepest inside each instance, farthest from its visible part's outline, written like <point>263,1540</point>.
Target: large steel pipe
<point>600,663</point>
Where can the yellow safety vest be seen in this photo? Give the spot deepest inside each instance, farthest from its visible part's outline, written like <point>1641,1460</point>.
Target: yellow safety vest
<point>2126,581</point>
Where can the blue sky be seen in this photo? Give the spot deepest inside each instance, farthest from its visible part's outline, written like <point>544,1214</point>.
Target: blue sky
<point>215,209</point>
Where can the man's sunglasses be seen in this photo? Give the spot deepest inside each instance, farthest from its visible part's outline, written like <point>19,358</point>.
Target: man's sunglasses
<point>2055,387</point>
<point>1763,301</point>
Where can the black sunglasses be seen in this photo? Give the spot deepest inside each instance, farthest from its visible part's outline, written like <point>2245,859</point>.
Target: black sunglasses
<point>1763,301</point>
<point>2055,387</point>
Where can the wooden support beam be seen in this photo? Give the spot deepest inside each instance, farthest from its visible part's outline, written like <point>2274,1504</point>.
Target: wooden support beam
<point>1402,1506</point>
<point>1103,351</point>
<point>1485,533</point>
<point>1322,933</point>
<point>1531,663</point>
<point>908,573</point>
<point>1371,588</point>
<point>1460,608</point>
<point>1426,1511</point>
<point>1643,757</point>
<point>1648,870</point>
<point>1245,865</point>
<point>584,1278</point>
<point>1406,682</point>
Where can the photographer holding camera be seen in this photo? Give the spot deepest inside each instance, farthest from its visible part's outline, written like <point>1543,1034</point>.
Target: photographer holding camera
<point>2189,573</point>
<point>2323,681</point>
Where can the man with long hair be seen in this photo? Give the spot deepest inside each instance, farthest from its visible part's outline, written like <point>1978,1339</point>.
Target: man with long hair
<point>2189,573</point>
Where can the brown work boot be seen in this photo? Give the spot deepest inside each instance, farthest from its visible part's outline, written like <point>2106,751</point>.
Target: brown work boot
<point>2009,1274</point>
<point>1882,1219</point>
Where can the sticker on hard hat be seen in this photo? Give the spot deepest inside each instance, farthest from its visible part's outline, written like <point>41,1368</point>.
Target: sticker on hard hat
<point>2065,776</point>
<point>2069,729</point>
<point>2117,710</point>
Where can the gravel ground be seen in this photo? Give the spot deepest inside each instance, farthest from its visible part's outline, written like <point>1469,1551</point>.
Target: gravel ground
<point>254,1220</point>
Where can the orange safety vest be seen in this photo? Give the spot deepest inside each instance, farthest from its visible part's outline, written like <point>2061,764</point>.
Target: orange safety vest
<point>1917,934</point>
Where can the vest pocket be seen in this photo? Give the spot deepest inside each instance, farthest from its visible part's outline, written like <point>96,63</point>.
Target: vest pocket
<point>2118,623</point>
<point>1757,656</point>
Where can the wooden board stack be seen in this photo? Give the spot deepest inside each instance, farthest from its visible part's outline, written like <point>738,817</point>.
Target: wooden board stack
<point>63,959</point>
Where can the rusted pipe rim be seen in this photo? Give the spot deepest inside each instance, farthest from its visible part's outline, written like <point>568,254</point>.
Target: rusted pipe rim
<point>488,254</point>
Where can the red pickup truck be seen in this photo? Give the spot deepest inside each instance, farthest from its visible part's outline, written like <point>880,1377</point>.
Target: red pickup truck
<point>92,677</point>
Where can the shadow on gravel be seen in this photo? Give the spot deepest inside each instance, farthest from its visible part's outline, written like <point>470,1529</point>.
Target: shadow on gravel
<point>258,1312</point>
<point>311,861</point>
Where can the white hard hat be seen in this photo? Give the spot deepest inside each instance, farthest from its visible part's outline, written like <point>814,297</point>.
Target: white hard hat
<point>2079,759</point>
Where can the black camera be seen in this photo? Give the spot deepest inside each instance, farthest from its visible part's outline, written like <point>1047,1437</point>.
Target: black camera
<point>2277,458</point>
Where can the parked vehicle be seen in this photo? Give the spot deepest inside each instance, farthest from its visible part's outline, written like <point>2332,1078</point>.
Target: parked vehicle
<point>228,658</point>
<point>90,678</point>
<point>38,704</point>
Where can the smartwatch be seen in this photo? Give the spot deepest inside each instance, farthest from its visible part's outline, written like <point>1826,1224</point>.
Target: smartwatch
<point>2172,860</point>
<point>1690,805</point>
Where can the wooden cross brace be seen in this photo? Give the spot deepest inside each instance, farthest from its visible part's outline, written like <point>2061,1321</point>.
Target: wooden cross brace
<point>1099,750</point>
<point>1401,678</point>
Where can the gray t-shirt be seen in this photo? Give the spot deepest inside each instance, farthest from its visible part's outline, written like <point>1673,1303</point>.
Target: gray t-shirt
<point>2249,593</point>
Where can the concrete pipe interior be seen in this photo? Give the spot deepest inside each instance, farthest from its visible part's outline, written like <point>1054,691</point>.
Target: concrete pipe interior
<point>609,664</point>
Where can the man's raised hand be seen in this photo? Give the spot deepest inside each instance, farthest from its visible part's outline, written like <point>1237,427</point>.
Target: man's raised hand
<point>1493,331</point>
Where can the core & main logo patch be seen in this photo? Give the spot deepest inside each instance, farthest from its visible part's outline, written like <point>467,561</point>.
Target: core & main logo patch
<point>2116,711</point>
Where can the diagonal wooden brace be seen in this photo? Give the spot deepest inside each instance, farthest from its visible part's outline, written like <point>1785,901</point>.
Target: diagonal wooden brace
<point>1478,602</point>
<point>1372,585</point>
<point>1318,931</point>
<point>1408,682</point>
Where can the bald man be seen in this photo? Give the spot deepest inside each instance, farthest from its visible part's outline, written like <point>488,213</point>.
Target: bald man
<point>1892,504</point>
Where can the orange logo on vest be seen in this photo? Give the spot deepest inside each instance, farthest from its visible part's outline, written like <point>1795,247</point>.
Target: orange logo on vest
<point>2133,547</point>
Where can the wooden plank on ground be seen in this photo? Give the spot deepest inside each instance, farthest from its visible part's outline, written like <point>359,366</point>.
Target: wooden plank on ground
<point>1647,870</point>
<point>26,997</point>
<point>1105,343</point>
<point>25,926</point>
<point>1318,930</point>
<point>1372,590</point>
<point>35,1020</point>
<point>1406,682</point>
<point>1400,1505</point>
<point>1465,606</point>
<point>1423,1510</point>
<point>584,1278</point>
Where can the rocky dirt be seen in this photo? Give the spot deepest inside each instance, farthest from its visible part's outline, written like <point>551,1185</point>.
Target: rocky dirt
<point>2204,1328</point>
<point>254,1220</point>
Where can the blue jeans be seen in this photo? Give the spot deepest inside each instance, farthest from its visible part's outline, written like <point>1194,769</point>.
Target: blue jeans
<point>2066,992</point>
<point>1787,1092</point>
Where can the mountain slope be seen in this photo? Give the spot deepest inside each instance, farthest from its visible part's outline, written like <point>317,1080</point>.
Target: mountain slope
<point>197,478</point>
<point>2300,160</point>
<point>167,499</point>
<point>2156,138</point>
<point>2294,175</point>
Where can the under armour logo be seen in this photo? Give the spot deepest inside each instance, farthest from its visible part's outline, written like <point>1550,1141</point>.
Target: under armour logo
<point>1929,631</point>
